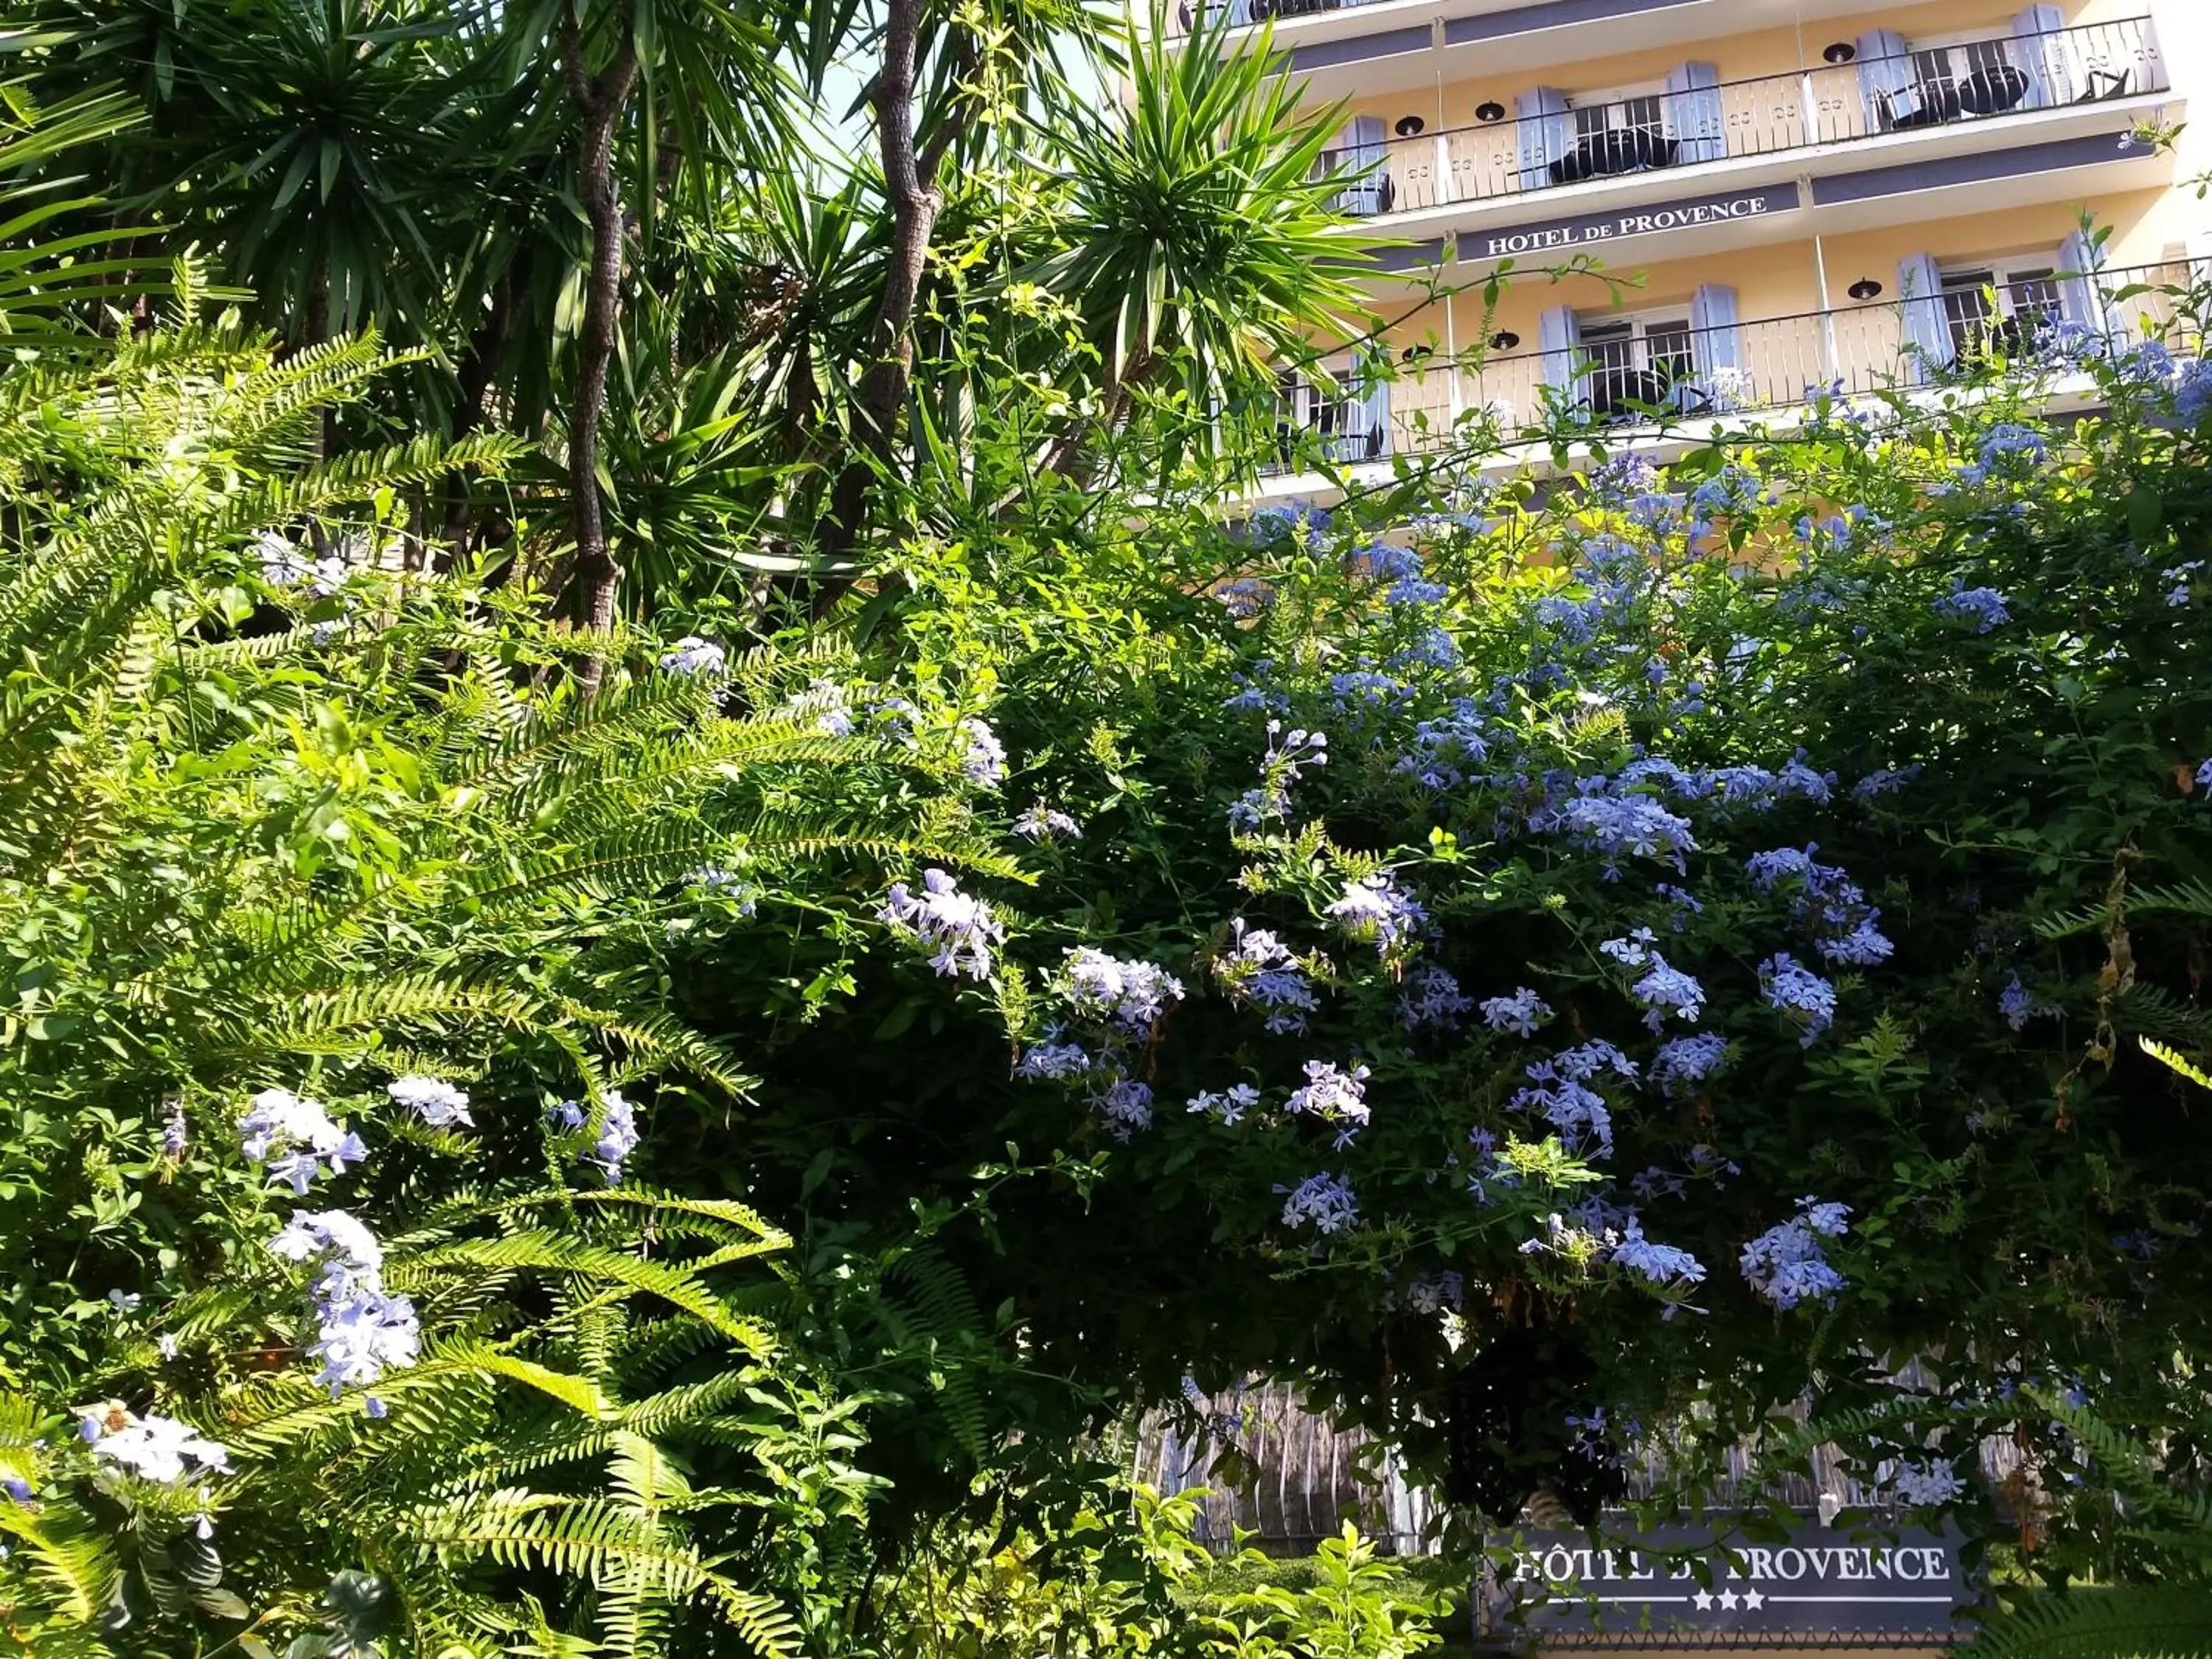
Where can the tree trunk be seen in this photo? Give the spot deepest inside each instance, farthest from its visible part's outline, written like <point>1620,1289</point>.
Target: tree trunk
<point>910,179</point>
<point>600,100</point>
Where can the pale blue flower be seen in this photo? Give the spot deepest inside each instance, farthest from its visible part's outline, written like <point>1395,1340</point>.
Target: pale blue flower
<point>1042,822</point>
<point>1332,1092</point>
<point>1228,1105</point>
<point>1794,989</point>
<point>983,757</point>
<point>296,1137</point>
<point>693,655</point>
<point>1373,910</point>
<point>1786,1266</point>
<point>1519,1013</point>
<point>439,1104</point>
<point>1928,1485</point>
<point>1323,1203</point>
<point>1131,995</point>
<point>1127,1107</point>
<point>1983,606</point>
<point>1687,1060</point>
<point>1663,1265</point>
<point>1431,996</point>
<point>962,928</point>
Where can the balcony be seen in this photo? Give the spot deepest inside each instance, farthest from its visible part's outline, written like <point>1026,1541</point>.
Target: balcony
<point>1698,380</point>
<point>1527,152</point>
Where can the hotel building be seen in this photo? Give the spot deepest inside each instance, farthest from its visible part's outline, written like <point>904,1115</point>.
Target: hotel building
<point>1802,192</point>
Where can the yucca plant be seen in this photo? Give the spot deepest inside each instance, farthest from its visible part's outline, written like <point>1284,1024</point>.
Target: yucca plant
<point>294,840</point>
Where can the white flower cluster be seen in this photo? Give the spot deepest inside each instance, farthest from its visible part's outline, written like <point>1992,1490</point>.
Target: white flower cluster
<point>437,1103</point>
<point>294,1136</point>
<point>154,1447</point>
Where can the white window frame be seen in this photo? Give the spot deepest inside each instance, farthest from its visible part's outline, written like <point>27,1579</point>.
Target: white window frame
<point>2007,275</point>
<point>1613,103</point>
<point>1669,320</point>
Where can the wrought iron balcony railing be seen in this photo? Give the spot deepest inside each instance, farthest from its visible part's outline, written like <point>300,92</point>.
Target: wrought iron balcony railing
<point>1530,151</point>
<point>1698,374</point>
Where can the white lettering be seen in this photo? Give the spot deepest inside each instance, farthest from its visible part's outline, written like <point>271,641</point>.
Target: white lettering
<point>1878,1564</point>
<point>1906,1559</point>
<point>1759,1563</point>
<point>1558,1564</point>
<point>1936,1565</point>
<point>1783,1560</point>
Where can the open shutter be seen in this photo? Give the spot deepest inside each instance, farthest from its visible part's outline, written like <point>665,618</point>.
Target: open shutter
<point>1717,330</point>
<point>1928,343</point>
<point>1362,147</point>
<point>1547,134</point>
<point>1693,112</point>
<point>2042,49</point>
<point>2081,296</point>
<point>1885,72</point>
<point>1375,406</point>
<point>1558,333</point>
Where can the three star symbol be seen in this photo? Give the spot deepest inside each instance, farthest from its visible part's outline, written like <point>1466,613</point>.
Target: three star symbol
<point>1729,1600</point>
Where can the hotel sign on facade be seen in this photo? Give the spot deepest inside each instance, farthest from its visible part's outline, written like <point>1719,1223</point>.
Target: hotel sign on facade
<point>1592,229</point>
<point>1679,1581</point>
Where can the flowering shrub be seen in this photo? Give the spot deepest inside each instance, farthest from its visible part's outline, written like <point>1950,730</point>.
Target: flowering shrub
<point>1707,910</point>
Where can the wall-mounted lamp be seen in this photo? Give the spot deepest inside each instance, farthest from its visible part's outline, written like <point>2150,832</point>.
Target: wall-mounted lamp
<point>1489,112</point>
<point>1842,52</point>
<point>1410,125</point>
<point>1414,353</point>
<point>1505,339</point>
<point>1865,288</point>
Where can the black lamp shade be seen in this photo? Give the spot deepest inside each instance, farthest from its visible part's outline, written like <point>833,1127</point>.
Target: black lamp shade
<point>1505,339</point>
<point>1865,288</point>
<point>1410,125</point>
<point>1842,52</point>
<point>1489,112</point>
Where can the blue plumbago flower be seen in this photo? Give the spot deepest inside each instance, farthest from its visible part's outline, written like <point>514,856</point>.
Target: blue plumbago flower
<point>1442,750</point>
<point>2192,392</point>
<point>1629,826</point>
<point>439,1104</point>
<point>1052,1060</point>
<point>1435,1293</point>
<point>17,1488</point>
<point>1883,780</point>
<point>1578,1112</point>
<point>1633,951</point>
<point>1519,1013</point>
<point>894,718</point>
<point>2010,443</point>
<point>1431,996</point>
<point>1796,989</point>
<point>1669,778</point>
<point>693,655</point>
<point>1289,753</point>
<point>336,1237</point>
<point>982,756</point>
<point>1786,1264</point>
<point>1363,691</point>
<point>1663,1265</point>
<point>2018,1004</point>
<point>295,1138</point>
<point>1431,647</point>
<point>1621,478</point>
<point>1652,1183</point>
<point>1374,910</point>
<point>1246,596</point>
<point>1708,1161</point>
<point>728,883</point>
<point>1729,493</point>
<point>2204,775</point>
<point>1588,1059</point>
<point>1797,779</point>
<point>1861,947</point>
<point>1228,1105</point>
<point>1983,606</point>
<point>2180,573</point>
<point>284,565</point>
<point>1687,1060</point>
<point>1332,1092</point>
<point>1127,1107</point>
<point>156,1448</point>
<point>1685,902</point>
<point>1745,786</point>
<point>1274,523</point>
<point>365,1333</point>
<point>1130,994</point>
<point>1257,695</point>
<point>618,1137</point>
<point>823,701</point>
<point>962,928</point>
<point>1663,990</point>
<point>1260,970</point>
<point>1042,822</point>
<point>1416,590</point>
<point>1323,1203</point>
<point>2149,361</point>
<point>1928,1485</point>
<point>176,1133</point>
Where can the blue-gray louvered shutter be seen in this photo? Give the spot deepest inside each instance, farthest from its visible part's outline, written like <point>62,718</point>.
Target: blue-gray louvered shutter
<point>1928,342</point>
<point>1363,149</point>
<point>1375,404</point>
<point>1547,133</point>
<point>1885,73</point>
<point>1557,335</point>
<point>2082,295</point>
<point>1717,330</point>
<point>2041,48</point>
<point>1693,112</point>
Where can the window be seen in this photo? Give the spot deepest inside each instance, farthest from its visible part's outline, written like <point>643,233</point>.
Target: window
<point>1627,109</point>
<point>1637,362</point>
<point>2000,304</point>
